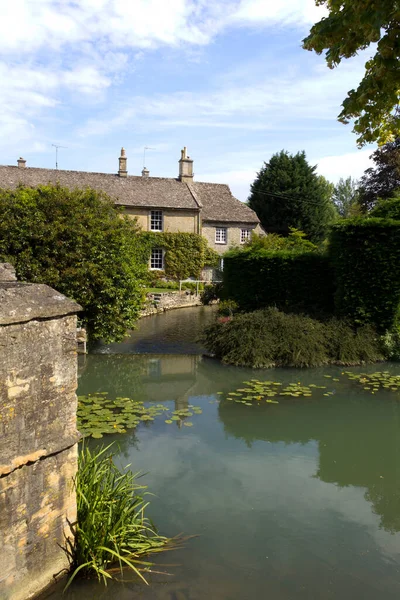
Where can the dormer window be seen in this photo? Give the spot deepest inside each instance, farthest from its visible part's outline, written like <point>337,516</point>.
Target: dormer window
<point>156,220</point>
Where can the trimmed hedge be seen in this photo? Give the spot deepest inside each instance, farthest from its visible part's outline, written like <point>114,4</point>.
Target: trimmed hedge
<point>366,257</point>
<point>186,254</point>
<point>291,281</point>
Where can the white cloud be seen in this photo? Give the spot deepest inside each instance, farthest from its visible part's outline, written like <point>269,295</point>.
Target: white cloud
<point>345,165</point>
<point>281,12</point>
<point>27,26</point>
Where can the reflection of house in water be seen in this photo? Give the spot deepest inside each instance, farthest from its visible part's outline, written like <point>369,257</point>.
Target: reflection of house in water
<point>171,378</point>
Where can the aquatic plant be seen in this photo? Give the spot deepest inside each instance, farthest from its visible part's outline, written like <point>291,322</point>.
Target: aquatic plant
<point>259,392</point>
<point>98,415</point>
<point>373,382</point>
<point>112,531</point>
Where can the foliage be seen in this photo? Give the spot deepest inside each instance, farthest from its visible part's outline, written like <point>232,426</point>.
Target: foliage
<point>346,197</point>
<point>292,281</point>
<point>383,179</point>
<point>387,209</point>
<point>391,343</point>
<point>186,254</point>
<point>212,292</point>
<point>227,308</point>
<point>354,25</point>
<point>288,193</point>
<point>366,258</point>
<point>269,338</point>
<point>296,240</point>
<point>111,524</point>
<point>77,242</point>
<point>98,415</point>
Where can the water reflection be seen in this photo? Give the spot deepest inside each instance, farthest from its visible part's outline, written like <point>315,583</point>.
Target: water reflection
<point>357,435</point>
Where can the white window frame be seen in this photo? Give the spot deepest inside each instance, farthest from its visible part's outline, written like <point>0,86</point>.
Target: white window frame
<point>153,259</point>
<point>221,235</point>
<point>156,220</point>
<point>245,235</point>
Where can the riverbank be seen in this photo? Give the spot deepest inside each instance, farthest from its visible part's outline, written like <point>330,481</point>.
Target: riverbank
<point>163,301</point>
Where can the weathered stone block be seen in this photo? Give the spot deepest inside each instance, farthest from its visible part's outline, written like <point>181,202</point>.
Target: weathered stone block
<point>37,390</point>
<point>38,435</point>
<point>36,503</point>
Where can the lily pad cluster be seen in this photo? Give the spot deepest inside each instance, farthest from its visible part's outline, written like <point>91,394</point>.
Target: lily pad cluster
<point>268,391</point>
<point>99,415</point>
<point>373,382</point>
<point>179,416</point>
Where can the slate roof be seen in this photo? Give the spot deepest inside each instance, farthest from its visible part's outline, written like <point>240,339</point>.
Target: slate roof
<point>213,199</point>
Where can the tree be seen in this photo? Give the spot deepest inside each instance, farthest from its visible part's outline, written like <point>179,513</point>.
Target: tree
<point>287,193</point>
<point>388,209</point>
<point>354,25</point>
<point>78,242</point>
<point>383,179</point>
<point>346,197</point>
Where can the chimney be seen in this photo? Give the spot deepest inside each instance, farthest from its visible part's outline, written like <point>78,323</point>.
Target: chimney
<point>145,172</point>
<point>185,167</point>
<point>21,162</point>
<point>122,172</point>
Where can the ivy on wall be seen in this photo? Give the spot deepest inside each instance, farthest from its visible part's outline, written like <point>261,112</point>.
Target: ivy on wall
<point>186,254</point>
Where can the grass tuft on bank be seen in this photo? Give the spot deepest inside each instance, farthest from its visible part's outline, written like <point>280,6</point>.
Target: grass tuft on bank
<point>270,338</point>
<point>112,532</point>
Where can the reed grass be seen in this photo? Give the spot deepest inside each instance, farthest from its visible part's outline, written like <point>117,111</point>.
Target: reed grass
<point>112,529</point>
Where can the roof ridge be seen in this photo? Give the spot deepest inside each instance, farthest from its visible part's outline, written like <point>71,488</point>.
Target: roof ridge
<point>199,204</point>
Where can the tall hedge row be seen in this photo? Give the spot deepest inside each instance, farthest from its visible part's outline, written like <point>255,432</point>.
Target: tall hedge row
<point>365,254</point>
<point>291,281</point>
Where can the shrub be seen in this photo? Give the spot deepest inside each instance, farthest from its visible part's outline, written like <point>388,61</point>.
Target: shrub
<point>77,242</point>
<point>291,281</point>
<point>391,343</point>
<point>227,308</point>
<point>387,209</point>
<point>111,525</point>
<point>270,338</point>
<point>211,293</point>
<point>296,240</point>
<point>366,257</point>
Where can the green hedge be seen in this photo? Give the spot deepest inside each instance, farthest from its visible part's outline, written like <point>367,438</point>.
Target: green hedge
<point>291,281</point>
<point>366,257</point>
<point>186,254</point>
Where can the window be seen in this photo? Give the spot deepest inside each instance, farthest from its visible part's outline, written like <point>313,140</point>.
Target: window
<point>245,235</point>
<point>220,235</point>
<point>156,220</point>
<point>157,259</point>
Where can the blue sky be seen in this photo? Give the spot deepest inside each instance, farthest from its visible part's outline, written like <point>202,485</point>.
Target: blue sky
<point>226,78</point>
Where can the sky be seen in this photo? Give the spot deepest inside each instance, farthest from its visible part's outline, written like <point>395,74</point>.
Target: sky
<point>226,78</point>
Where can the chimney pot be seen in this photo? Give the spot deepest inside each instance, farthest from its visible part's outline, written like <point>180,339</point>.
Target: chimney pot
<point>145,172</point>
<point>122,171</point>
<point>21,162</point>
<point>185,167</point>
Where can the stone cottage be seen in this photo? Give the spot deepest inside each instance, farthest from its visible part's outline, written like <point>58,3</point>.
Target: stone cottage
<point>159,203</point>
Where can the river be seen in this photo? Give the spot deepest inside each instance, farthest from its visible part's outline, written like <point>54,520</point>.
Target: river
<point>289,501</point>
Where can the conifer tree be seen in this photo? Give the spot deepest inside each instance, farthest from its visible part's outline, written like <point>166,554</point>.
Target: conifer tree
<point>288,193</point>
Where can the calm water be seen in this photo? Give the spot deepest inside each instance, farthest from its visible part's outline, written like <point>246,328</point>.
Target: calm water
<point>299,500</point>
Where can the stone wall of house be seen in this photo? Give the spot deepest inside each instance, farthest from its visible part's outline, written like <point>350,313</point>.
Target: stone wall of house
<point>38,435</point>
<point>174,221</point>
<point>233,234</point>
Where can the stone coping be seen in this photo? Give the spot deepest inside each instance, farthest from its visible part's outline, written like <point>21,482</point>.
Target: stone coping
<point>22,302</point>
